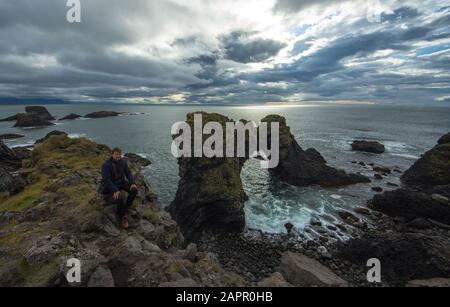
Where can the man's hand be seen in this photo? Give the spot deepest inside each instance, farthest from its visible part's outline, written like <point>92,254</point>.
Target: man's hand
<point>133,187</point>
<point>116,195</point>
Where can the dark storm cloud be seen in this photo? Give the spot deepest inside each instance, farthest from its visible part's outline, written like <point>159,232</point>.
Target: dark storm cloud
<point>328,59</point>
<point>240,47</point>
<point>293,6</point>
<point>399,15</point>
<point>154,49</point>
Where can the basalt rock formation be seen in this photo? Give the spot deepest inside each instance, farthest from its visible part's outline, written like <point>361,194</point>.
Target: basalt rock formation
<point>210,196</point>
<point>59,216</point>
<point>426,189</point>
<point>42,112</point>
<point>306,167</point>
<point>26,120</point>
<point>34,116</point>
<point>433,169</point>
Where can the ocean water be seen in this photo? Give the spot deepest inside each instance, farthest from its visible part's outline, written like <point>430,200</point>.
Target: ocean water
<point>407,132</point>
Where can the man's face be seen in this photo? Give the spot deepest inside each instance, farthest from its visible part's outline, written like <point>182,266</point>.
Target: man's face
<point>117,156</point>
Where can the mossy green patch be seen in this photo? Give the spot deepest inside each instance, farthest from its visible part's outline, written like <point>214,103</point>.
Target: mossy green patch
<point>25,199</point>
<point>151,216</point>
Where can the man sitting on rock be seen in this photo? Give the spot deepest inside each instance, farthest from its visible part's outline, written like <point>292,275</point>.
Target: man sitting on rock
<point>117,178</point>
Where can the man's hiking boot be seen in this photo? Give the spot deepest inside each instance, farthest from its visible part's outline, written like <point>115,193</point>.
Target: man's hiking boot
<point>124,223</point>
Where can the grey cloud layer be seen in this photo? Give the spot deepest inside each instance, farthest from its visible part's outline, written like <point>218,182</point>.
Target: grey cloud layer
<point>151,50</point>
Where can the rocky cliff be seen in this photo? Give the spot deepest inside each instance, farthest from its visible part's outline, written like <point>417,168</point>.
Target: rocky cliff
<point>58,215</point>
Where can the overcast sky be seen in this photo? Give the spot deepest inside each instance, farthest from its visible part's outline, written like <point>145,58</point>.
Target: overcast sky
<point>231,52</point>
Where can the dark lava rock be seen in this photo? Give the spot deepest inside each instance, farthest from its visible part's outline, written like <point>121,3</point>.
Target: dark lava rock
<point>210,196</point>
<point>303,168</point>
<point>40,111</point>
<point>10,136</point>
<point>368,146</point>
<point>445,139</point>
<point>403,256</point>
<point>10,162</point>
<point>71,116</point>
<point>411,205</point>
<point>50,134</point>
<point>138,160</point>
<point>22,153</point>
<point>8,158</point>
<point>31,120</point>
<point>10,184</point>
<point>102,114</point>
<point>431,170</point>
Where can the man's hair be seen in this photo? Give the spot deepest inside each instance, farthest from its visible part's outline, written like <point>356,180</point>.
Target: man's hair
<point>116,149</point>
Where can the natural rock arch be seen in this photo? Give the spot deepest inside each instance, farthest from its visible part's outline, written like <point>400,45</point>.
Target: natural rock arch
<point>210,195</point>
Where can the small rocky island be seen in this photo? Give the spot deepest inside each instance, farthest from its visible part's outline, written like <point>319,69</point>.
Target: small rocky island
<point>368,146</point>
<point>34,116</point>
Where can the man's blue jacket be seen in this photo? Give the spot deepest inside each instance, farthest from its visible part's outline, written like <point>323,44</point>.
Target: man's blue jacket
<point>116,174</point>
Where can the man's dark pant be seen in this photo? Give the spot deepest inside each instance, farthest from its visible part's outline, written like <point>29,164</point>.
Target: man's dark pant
<point>124,204</point>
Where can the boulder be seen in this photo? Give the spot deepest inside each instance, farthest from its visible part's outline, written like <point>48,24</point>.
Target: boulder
<point>26,120</point>
<point>276,280</point>
<point>71,116</point>
<point>10,184</point>
<point>368,146</point>
<point>411,204</point>
<point>102,114</point>
<point>302,271</point>
<point>306,167</point>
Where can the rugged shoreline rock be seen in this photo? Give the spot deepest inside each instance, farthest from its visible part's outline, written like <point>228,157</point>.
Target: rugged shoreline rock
<point>210,196</point>
<point>426,189</point>
<point>303,168</point>
<point>71,116</point>
<point>432,169</point>
<point>416,245</point>
<point>28,120</point>
<point>368,146</point>
<point>60,216</point>
<point>102,114</point>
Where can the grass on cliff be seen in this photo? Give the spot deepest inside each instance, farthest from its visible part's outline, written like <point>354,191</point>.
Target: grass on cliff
<point>55,158</point>
<point>26,198</point>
